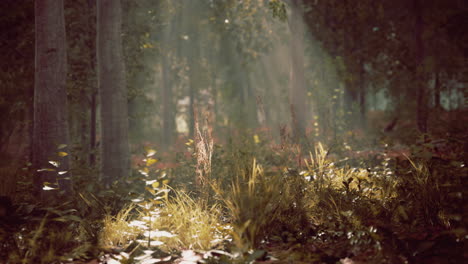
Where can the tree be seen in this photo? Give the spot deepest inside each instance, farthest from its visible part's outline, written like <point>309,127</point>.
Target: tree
<point>297,95</point>
<point>82,86</point>
<point>112,91</point>
<point>17,90</point>
<point>421,82</point>
<point>168,111</point>
<point>50,132</point>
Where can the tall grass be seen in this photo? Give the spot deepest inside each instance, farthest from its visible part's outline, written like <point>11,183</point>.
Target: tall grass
<point>195,224</point>
<point>116,230</point>
<point>361,207</point>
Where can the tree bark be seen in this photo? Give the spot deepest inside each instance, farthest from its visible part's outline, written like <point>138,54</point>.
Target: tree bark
<point>91,23</point>
<point>168,109</point>
<point>437,87</point>
<point>421,111</point>
<point>362,95</point>
<point>192,94</point>
<point>115,155</point>
<point>50,129</point>
<point>168,105</point>
<point>297,92</point>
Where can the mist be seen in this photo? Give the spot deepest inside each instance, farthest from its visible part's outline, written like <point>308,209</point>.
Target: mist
<point>234,61</point>
<point>233,131</point>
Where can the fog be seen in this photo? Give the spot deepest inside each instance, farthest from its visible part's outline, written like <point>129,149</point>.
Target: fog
<point>235,62</point>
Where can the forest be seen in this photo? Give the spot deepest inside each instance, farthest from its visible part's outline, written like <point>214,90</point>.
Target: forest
<point>233,131</point>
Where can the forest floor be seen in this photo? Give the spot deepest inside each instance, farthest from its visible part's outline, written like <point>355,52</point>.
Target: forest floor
<point>256,202</point>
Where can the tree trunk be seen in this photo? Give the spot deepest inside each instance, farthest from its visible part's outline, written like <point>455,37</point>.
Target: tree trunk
<point>362,95</point>
<point>192,92</point>
<point>50,99</point>
<point>297,92</point>
<point>93,130</point>
<point>437,85</point>
<point>421,112</point>
<point>193,58</point>
<point>214,94</point>
<point>115,155</point>
<point>168,109</point>
<point>91,23</point>
<point>168,105</point>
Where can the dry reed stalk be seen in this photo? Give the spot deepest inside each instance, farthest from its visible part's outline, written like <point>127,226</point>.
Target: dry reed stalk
<point>203,147</point>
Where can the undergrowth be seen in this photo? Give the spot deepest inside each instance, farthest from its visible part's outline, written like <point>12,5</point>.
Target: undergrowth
<point>256,201</point>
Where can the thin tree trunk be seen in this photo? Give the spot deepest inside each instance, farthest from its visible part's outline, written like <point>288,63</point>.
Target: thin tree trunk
<point>169,108</point>
<point>93,131</point>
<point>350,96</point>
<point>50,99</point>
<point>192,99</point>
<point>168,114</point>
<point>362,96</point>
<point>92,84</point>
<point>437,90</point>
<point>297,95</point>
<point>421,112</point>
<point>115,152</point>
<point>214,57</point>
<point>247,116</point>
<point>193,58</point>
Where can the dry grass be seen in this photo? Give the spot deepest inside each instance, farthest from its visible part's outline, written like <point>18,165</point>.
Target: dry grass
<point>252,201</point>
<point>117,231</point>
<point>194,224</point>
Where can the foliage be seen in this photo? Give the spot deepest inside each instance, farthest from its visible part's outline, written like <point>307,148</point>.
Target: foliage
<point>400,209</point>
<point>43,235</point>
<point>116,231</point>
<point>279,9</point>
<point>252,203</point>
<point>365,184</point>
<point>195,224</point>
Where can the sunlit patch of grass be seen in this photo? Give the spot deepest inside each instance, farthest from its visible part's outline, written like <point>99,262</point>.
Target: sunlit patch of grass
<point>325,175</point>
<point>328,200</point>
<point>117,230</point>
<point>195,225</point>
<point>252,201</point>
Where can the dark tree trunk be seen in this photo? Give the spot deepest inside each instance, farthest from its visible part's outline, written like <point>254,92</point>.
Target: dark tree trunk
<point>93,131</point>
<point>421,111</point>
<point>362,96</point>
<point>437,90</point>
<point>92,83</point>
<point>82,77</point>
<point>350,93</point>
<point>115,155</point>
<point>50,99</point>
<point>246,116</point>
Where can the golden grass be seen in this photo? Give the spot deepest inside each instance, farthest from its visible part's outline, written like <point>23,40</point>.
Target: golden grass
<point>116,231</point>
<point>252,201</point>
<point>194,224</point>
